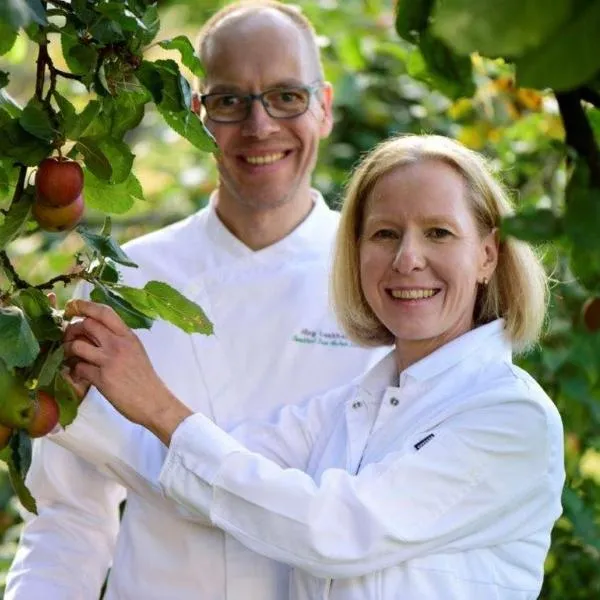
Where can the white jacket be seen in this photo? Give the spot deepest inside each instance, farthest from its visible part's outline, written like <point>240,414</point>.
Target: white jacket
<point>441,484</point>
<point>275,342</point>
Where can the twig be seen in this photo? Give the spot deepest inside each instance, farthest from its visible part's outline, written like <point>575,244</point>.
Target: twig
<point>579,133</point>
<point>66,74</point>
<point>65,279</point>
<point>11,272</point>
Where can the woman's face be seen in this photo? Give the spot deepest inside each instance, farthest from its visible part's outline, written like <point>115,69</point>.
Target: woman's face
<point>422,257</point>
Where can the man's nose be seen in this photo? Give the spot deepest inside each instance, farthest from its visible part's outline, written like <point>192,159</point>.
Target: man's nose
<point>259,123</point>
<point>409,255</point>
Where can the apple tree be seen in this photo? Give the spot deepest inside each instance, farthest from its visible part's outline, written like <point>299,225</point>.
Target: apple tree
<point>56,160</point>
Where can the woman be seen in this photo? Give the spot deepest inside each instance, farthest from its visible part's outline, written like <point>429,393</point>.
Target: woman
<point>438,474</point>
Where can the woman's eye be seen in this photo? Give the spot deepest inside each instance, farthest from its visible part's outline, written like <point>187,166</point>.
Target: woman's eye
<point>384,234</point>
<point>439,233</point>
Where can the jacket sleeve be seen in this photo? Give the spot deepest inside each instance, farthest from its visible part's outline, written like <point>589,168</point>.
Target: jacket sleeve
<point>482,478</point>
<point>65,551</point>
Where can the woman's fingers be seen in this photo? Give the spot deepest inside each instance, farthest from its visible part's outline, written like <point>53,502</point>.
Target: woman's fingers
<point>82,349</point>
<point>89,328</point>
<point>99,312</point>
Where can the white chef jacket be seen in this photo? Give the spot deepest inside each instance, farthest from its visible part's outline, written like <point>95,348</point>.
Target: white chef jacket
<point>276,341</point>
<point>442,483</point>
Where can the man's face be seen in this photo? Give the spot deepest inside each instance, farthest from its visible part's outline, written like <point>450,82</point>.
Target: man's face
<point>264,162</point>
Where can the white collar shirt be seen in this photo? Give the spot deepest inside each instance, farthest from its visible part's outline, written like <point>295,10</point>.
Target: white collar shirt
<point>275,341</point>
<point>442,483</point>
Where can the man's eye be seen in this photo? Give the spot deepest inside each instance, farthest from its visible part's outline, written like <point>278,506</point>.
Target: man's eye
<point>227,101</point>
<point>438,233</point>
<point>289,96</point>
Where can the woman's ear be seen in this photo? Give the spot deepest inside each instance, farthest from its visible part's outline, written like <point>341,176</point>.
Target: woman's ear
<point>490,250</point>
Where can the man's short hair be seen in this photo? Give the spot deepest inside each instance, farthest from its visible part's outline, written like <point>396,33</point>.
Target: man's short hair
<point>243,8</point>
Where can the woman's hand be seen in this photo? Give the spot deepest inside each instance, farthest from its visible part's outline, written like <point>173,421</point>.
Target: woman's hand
<point>108,355</point>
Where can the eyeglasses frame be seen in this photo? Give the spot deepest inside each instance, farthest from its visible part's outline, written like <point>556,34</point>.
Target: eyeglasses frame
<point>250,98</point>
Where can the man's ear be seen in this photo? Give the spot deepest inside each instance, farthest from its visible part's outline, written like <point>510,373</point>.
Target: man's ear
<point>326,98</point>
<point>196,103</point>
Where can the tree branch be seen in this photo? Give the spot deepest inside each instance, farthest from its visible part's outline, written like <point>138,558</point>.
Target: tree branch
<point>11,272</point>
<point>579,133</point>
<point>65,279</point>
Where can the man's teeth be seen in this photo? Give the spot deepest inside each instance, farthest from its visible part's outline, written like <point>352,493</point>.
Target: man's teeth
<point>264,160</point>
<point>412,294</point>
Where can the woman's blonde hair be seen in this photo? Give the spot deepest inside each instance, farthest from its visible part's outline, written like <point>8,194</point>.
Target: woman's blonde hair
<point>517,290</point>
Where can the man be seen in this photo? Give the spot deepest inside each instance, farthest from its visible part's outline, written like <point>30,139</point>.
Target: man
<point>257,261</point>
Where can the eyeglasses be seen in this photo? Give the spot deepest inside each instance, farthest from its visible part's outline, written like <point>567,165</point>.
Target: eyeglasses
<point>280,103</point>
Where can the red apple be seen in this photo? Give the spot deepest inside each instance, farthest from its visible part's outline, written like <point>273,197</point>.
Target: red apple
<point>45,416</point>
<point>58,181</point>
<point>58,219</point>
<point>591,314</point>
<point>5,433</point>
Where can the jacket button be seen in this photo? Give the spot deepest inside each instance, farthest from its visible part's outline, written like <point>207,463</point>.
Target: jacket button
<point>394,401</point>
<point>356,404</point>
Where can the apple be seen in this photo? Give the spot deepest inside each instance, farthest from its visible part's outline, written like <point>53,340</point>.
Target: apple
<point>591,314</point>
<point>58,219</point>
<point>58,181</point>
<point>45,415</point>
<point>16,406</point>
<point>5,433</point>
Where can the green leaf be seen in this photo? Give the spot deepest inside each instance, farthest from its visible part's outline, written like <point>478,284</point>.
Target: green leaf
<point>582,516</point>
<point>19,13</point>
<point>18,461</point>
<point>107,31</point>
<point>582,223</point>
<point>188,54</point>
<point>8,35</point>
<point>105,246</point>
<point>21,145</point>
<point>108,273</point>
<point>117,12</point>
<point>49,366</point>
<point>162,79</point>
<point>85,120</point>
<point>119,156</point>
<point>447,71</point>
<point>187,124</point>
<point>18,346</point>
<point>9,105</point>
<point>4,79</point>
<point>160,300</point>
<point>67,399</point>
<point>125,111</point>
<point>152,23</point>
<point>35,120</point>
<point>132,317</point>
<point>109,197</point>
<point>68,114</point>
<point>509,28</point>
<point>412,18</point>
<point>540,225</point>
<point>80,57</point>
<point>15,220</point>
<point>39,312</point>
<point>567,59</point>
<point>95,159</point>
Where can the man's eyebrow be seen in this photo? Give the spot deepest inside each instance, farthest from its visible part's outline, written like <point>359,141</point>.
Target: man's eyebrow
<point>229,88</point>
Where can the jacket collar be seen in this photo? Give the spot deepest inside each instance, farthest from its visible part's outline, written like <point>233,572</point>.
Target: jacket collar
<point>313,236</point>
<point>478,346</point>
